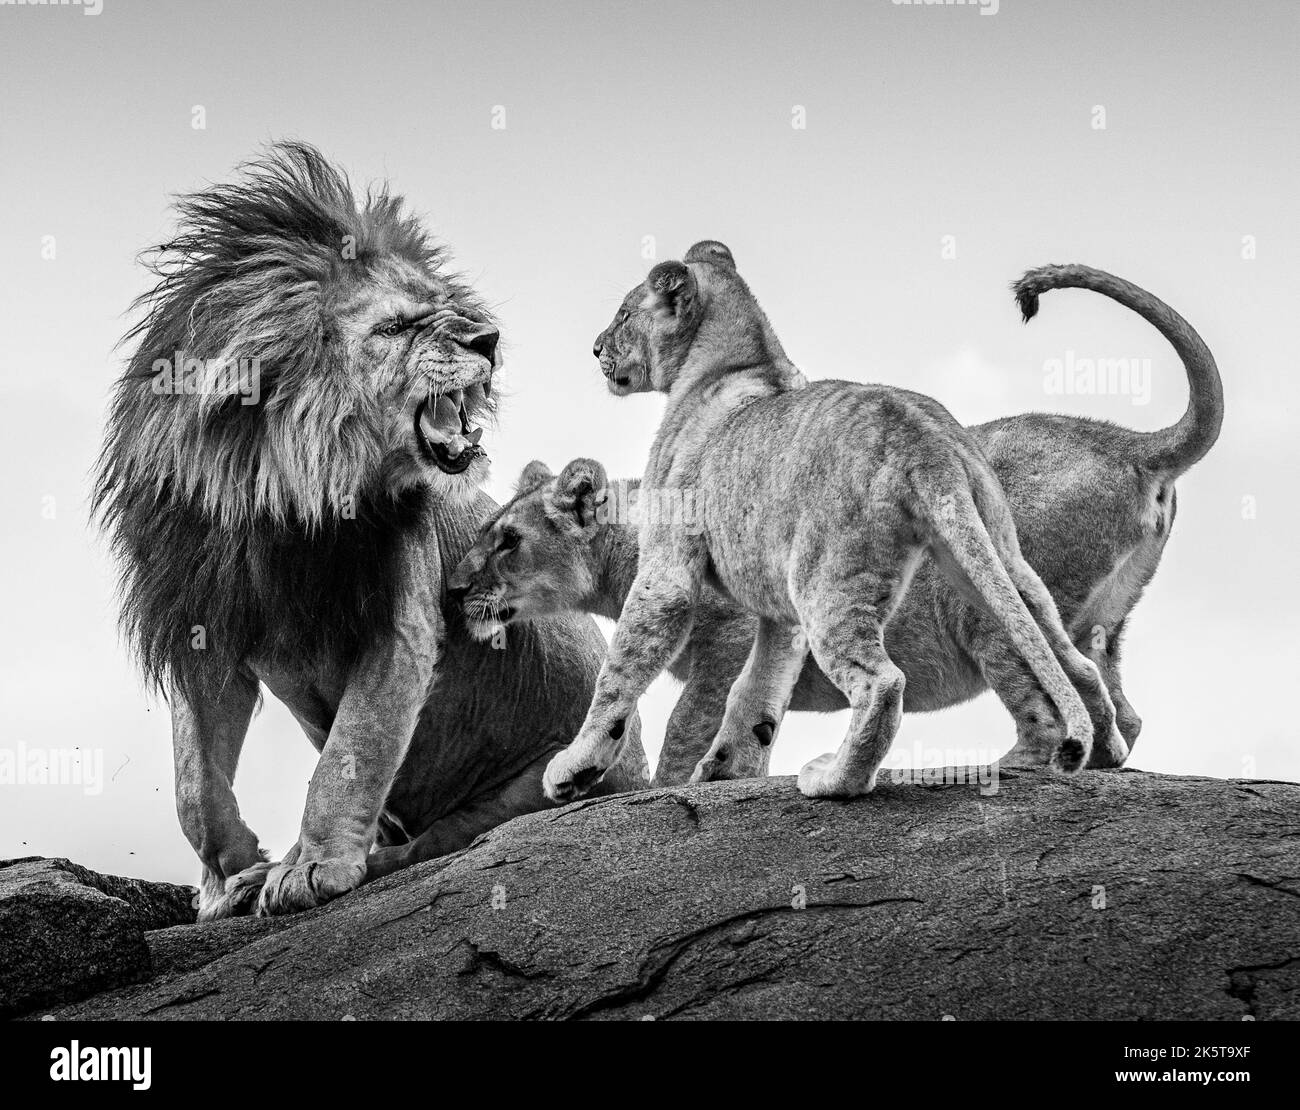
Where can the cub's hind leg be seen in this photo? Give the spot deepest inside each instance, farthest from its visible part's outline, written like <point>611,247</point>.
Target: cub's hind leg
<point>845,622</point>
<point>1103,650</point>
<point>756,705</point>
<point>1040,729</point>
<point>1109,748</point>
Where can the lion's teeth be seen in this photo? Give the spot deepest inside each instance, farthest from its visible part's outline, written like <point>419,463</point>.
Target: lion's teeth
<point>456,444</point>
<point>475,436</point>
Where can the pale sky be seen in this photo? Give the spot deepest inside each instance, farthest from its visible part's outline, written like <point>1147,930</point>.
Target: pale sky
<point>631,130</point>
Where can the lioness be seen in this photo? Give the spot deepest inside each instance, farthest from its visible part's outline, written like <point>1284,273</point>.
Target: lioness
<point>1093,506</point>
<point>817,503</point>
<point>292,463</point>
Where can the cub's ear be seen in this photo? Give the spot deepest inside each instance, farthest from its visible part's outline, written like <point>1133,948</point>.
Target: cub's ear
<point>535,474</point>
<point>672,288</point>
<point>581,490</point>
<point>710,250</point>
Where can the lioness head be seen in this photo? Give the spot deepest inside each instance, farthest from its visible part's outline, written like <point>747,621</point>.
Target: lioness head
<point>699,306</point>
<point>303,353</point>
<point>539,555</point>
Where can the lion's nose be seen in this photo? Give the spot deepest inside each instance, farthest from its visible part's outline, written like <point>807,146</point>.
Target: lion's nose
<point>600,346</point>
<point>483,342</point>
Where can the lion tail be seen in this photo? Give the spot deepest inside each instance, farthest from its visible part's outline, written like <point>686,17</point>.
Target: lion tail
<point>1175,449</point>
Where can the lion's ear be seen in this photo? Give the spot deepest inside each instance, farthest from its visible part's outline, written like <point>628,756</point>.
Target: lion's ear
<point>536,473</point>
<point>710,250</point>
<point>672,289</point>
<point>581,490</point>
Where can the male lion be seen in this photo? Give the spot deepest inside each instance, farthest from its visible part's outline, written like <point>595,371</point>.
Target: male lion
<point>816,504</point>
<point>1093,506</point>
<point>291,466</point>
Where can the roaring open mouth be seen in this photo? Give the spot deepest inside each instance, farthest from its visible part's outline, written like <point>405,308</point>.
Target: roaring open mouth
<point>443,431</point>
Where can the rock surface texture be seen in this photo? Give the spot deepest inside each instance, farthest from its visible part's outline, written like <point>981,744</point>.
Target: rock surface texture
<point>1102,896</point>
<point>66,932</point>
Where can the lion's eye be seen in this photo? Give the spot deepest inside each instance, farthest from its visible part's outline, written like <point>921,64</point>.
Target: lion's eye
<point>622,317</point>
<point>509,540</point>
<point>391,328</point>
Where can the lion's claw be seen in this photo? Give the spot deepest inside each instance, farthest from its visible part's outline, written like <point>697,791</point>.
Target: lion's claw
<point>305,884</point>
<point>237,897</point>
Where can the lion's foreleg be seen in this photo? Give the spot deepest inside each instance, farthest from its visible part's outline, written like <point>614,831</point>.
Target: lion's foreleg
<point>655,622</point>
<point>371,732</point>
<point>207,737</point>
<point>756,705</point>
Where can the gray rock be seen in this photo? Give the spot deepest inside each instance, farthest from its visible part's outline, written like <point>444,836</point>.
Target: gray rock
<point>1102,896</point>
<point>67,932</point>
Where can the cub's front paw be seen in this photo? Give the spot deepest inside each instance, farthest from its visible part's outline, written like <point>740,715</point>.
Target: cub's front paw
<point>823,777</point>
<point>304,884</point>
<point>568,776</point>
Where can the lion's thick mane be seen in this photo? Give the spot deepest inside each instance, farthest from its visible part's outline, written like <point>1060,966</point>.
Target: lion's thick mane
<point>259,528</point>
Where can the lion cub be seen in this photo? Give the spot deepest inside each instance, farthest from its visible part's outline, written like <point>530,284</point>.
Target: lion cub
<point>812,506</point>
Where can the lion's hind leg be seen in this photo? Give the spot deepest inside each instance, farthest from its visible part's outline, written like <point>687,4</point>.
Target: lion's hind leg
<point>1109,748</point>
<point>844,621</point>
<point>1040,729</point>
<point>967,554</point>
<point>1106,656</point>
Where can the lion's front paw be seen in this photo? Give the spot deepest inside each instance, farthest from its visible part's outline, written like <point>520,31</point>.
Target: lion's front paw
<point>824,777</point>
<point>1112,753</point>
<point>726,761</point>
<point>568,776</point>
<point>236,897</point>
<point>303,884</point>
